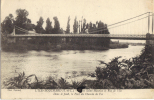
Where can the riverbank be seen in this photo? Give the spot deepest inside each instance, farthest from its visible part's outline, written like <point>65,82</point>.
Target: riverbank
<point>25,46</point>
<point>62,46</point>
<point>118,45</point>
<point>137,73</point>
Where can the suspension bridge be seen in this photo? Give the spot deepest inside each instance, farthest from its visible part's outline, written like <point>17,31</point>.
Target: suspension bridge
<point>135,28</point>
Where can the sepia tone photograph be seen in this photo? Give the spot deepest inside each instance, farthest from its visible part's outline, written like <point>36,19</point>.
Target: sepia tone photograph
<point>79,45</point>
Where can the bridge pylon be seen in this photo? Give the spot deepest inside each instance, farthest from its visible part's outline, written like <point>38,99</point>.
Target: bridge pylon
<point>13,33</point>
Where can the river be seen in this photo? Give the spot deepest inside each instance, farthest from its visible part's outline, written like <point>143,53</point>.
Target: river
<point>63,63</point>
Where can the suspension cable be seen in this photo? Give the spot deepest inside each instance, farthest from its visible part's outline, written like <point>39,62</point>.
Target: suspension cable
<point>130,22</point>
<point>123,21</point>
<point>21,29</point>
<point>120,25</point>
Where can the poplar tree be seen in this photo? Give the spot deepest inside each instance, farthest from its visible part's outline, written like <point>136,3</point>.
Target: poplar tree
<point>68,25</point>
<point>56,25</point>
<point>39,28</point>
<point>48,28</point>
<point>75,26</point>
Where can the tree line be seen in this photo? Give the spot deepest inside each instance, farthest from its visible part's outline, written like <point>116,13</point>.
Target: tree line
<point>22,20</point>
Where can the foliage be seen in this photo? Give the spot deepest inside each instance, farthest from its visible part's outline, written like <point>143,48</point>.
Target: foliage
<point>90,26</point>
<point>84,25</point>
<point>56,25</point>
<point>138,73</point>
<point>68,25</point>
<point>21,17</point>
<point>87,26</point>
<point>76,84</point>
<point>32,82</point>
<point>39,28</point>
<point>24,22</point>
<point>8,24</point>
<point>98,28</point>
<point>21,82</point>
<point>29,21</point>
<point>75,25</point>
<point>48,28</point>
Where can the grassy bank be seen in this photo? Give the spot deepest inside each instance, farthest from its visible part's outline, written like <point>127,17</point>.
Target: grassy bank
<point>136,73</point>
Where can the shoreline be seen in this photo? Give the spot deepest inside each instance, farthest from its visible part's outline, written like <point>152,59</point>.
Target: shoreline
<point>54,47</point>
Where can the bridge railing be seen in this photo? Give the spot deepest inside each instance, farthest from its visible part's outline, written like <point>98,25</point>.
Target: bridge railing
<point>111,36</point>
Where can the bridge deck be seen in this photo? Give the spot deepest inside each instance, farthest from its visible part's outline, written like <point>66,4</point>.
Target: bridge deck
<point>110,36</point>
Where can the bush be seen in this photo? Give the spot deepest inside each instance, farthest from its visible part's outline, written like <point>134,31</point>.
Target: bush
<point>137,74</point>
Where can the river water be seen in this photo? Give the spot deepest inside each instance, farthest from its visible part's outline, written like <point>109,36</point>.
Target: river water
<point>65,63</point>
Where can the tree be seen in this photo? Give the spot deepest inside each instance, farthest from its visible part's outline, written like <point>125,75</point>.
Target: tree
<point>56,25</point>
<point>102,28</point>
<point>94,26</point>
<point>8,24</point>
<point>75,26</point>
<point>87,26</point>
<point>29,21</point>
<point>40,22</point>
<point>48,28</point>
<point>106,29</point>
<point>90,28</point>
<point>68,25</point>
<point>28,25</point>
<point>39,28</point>
<point>21,17</point>
<point>84,25</point>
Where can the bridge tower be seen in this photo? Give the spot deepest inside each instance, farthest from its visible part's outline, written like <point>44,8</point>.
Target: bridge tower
<point>13,33</point>
<point>12,39</point>
<point>150,37</point>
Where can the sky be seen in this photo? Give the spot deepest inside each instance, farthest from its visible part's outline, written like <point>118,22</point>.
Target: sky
<point>108,11</point>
